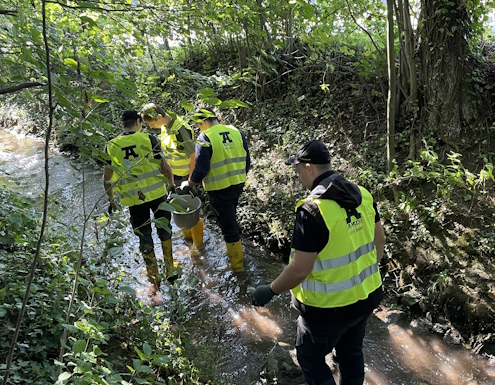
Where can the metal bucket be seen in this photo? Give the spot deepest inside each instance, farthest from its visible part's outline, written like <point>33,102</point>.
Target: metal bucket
<point>187,219</point>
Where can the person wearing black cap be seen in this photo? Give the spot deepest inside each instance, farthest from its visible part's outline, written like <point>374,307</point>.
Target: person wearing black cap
<point>138,172</point>
<point>333,273</point>
<point>222,162</point>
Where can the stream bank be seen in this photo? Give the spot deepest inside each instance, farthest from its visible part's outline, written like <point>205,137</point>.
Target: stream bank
<point>398,349</point>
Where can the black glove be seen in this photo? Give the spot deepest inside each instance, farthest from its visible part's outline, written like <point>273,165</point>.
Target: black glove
<point>262,295</point>
<point>183,189</point>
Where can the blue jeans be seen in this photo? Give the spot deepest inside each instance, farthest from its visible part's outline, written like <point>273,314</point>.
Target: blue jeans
<point>224,204</point>
<point>316,339</point>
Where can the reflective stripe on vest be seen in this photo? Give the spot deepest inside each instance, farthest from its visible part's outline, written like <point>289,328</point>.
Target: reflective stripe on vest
<point>135,178</point>
<point>346,270</point>
<point>344,259</point>
<point>178,159</point>
<point>355,280</point>
<point>228,160</point>
<point>138,173</point>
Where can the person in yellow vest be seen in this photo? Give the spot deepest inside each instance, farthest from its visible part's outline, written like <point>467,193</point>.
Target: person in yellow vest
<point>135,172</point>
<point>222,162</point>
<point>177,141</point>
<point>333,272</point>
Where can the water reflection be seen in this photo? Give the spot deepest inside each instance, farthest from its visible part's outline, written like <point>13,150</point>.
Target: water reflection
<point>427,358</point>
<point>221,318</point>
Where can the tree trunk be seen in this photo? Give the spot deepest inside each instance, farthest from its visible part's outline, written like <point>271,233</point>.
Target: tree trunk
<point>246,30</point>
<point>290,38</point>
<point>413,84</point>
<point>410,54</point>
<point>151,55</point>
<point>391,87</point>
<point>268,35</point>
<point>403,67</point>
<point>445,65</point>
<point>392,84</point>
<point>167,46</point>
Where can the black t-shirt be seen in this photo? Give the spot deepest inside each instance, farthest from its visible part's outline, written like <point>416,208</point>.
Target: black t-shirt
<point>311,235</point>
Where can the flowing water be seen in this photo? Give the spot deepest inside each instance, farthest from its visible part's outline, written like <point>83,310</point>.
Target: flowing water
<point>238,335</point>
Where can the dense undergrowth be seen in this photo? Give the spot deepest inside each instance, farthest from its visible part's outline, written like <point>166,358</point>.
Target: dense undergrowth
<point>440,231</point>
<point>113,337</point>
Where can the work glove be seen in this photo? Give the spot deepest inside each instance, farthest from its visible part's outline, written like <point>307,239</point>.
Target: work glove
<point>262,295</point>
<point>184,188</point>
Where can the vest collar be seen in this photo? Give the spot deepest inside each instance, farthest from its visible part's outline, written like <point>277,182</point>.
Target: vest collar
<point>320,184</point>
<point>335,187</point>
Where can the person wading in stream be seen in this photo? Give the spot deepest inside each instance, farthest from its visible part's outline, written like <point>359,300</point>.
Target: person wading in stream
<point>333,273</point>
<point>135,172</point>
<point>177,142</point>
<point>222,162</point>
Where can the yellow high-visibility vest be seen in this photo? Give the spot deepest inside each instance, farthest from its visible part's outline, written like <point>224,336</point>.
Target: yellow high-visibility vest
<point>138,173</point>
<point>228,162</point>
<point>178,159</point>
<point>346,270</point>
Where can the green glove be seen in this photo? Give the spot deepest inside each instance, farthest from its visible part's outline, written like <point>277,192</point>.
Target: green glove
<point>262,295</point>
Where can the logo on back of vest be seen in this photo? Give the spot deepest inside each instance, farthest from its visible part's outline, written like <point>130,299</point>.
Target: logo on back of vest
<point>129,151</point>
<point>354,221</point>
<point>226,139</point>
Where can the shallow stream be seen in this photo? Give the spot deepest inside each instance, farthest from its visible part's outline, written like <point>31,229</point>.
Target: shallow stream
<point>221,316</point>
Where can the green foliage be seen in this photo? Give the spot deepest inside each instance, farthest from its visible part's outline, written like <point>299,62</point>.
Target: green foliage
<point>113,336</point>
<point>107,57</point>
<point>18,218</point>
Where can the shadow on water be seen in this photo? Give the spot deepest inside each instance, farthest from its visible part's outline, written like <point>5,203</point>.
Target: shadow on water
<point>237,335</point>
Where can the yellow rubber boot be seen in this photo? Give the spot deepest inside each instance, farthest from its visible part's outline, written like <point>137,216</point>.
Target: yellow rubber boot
<point>236,258</point>
<point>170,266</point>
<point>187,234</point>
<point>197,234</point>
<point>152,268</point>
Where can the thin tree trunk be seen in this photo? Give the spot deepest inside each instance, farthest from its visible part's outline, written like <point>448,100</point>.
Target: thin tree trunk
<point>410,54</point>
<point>262,21</point>
<point>391,88</point>
<point>167,46</point>
<point>246,30</point>
<point>290,38</point>
<point>151,55</point>
<point>45,202</point>
<point>239,51</point>
<point>403,66</point>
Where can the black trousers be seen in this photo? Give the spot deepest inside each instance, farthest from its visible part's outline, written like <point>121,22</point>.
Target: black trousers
<point>224,204</point>
<point>316,339</point>
<point>141,223</point>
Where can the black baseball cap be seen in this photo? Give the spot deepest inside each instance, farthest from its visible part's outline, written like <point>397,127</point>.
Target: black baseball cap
<point>314,152</point>
<point>131,115</point>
